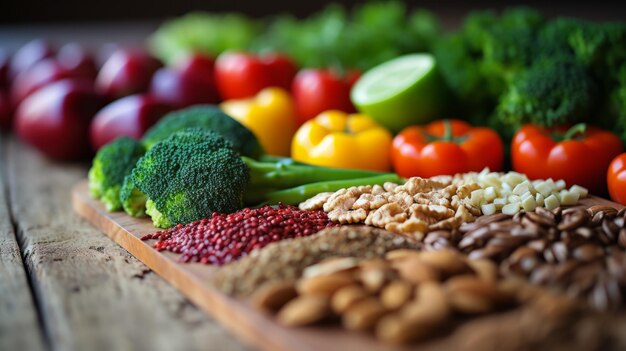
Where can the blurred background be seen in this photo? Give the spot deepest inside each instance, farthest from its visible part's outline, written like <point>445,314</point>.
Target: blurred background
<point>132,20</point>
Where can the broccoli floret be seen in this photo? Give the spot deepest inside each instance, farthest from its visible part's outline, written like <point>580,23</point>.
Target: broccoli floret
<point>553,91</point>
<point>600,46</point>
<point>112,163</point>
<point>133,200</point>
<point>210,118</point>
<point>480,60</point>
<point>614,114</point>
<point>195,172</point>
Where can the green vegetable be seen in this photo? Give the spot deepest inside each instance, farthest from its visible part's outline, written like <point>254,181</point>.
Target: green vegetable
<point>194,173</point>
<point>111,164</point>
<point>373,33</point>
<point>206,117</point>
<point>479,61</point>
<point>202,32</point>
<point>133,200</point>
<point>553,91</point>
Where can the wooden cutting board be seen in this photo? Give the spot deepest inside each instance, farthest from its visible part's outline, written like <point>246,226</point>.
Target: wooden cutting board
<point>256,328</point>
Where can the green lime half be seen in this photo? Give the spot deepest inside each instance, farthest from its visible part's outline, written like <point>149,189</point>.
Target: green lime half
<point>405,91</point>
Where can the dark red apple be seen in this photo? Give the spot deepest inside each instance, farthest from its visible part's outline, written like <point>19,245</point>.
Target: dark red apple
<point>6,112</point>
<point>190,81</point>
<point>39,75</point>
<point>28,55</point>
<point>129,116</point>
<point>126,72</point>
<point>56,118</point>
<point>75,58</point>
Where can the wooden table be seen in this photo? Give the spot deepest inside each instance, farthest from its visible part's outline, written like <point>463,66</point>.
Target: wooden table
<point>66,286</point>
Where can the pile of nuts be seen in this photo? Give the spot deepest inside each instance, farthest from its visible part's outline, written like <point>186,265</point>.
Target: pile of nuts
<point>441,203</point>
<point>577,251</point>
<point>406,296</point>
<point>414,208</point>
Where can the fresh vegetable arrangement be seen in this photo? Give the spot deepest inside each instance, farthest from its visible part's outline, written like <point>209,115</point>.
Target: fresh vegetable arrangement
<point>373,116</point>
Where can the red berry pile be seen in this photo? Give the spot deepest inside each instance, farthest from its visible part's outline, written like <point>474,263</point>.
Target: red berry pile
<point>224,238</point>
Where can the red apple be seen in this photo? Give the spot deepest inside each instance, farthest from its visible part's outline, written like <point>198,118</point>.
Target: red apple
<point>28,55</point>
<point>129,116</point>
<point>190,81</point>
<point>126,72</point>
<point>56,118</point>
<point>75,58</point>
<point>6,112</point>
<point>40,74</point>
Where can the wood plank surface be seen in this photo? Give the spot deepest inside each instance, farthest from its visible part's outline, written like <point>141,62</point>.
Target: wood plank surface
<point>259,329</point>
<point>92,294</point>
<point>19,327</point>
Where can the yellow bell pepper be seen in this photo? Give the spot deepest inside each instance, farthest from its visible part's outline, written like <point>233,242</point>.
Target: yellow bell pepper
<point>337,139</point>
<point>270,115</point>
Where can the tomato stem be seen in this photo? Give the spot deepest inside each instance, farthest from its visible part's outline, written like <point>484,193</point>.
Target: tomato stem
<point>576,129</point>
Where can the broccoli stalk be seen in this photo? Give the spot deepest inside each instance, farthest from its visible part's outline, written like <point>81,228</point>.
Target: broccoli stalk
<point>194,173</point>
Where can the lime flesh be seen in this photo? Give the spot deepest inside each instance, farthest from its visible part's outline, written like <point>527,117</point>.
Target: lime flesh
<point>405,91</point>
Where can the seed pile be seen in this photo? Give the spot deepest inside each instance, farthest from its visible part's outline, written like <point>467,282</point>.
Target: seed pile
<point>227,237</point>
<point>409,295</point>
<point>578,251</point>
<point>285,260</point>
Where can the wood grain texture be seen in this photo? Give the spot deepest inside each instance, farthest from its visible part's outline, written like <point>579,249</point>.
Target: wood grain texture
<point>259,329</point>
<point>93,295</point>
<point>19,327</point>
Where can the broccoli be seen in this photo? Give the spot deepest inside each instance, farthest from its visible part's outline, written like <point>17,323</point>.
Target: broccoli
<point>111,164</point>
<point>206,117</point>
<point>480,60</point>
<point>614,114</point>
<point>553,91</point>
<point>600,46</point>
<point>195,172</point>
<point>133,201</point>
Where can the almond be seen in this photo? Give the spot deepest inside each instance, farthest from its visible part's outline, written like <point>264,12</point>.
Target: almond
<point>304,310</point>
<point>396,294</point>
<point>346,297</point>
<point>363,315</point>
<point>274,295</point>
<point>324,285</point>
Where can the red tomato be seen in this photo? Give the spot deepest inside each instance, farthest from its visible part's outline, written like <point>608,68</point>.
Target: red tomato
<point>319,90</point>
<point>616,179</point>
<point>240,75</point>
<point>579,156</point>
<point>445,147</point>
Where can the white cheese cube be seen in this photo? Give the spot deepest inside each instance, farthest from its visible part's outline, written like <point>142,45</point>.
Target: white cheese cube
<point>582,192</point>
<point>488,209</point>
<point>476,197</point>
<point>539,199</point>
<point>499,203</point>
<point>544,188</point>
<point>511,209</point>
<point>529,204</point>
<point>560,184</point>
<point>514,198</point>
<point>568,198</point>
<point>522,188</point>
<point>551,202</point>
<point>490,194</point>
<point>513,178</point>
